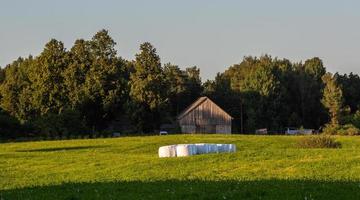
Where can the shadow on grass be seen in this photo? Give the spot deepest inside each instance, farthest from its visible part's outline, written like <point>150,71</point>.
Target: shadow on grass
<point>264,189</point>
<point>61,149</point>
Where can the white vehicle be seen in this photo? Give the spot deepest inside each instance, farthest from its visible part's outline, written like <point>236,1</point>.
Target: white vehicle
<point>307,131</point>
<point>295,131</point>
<point>262,131</point>
<point>116,134</point>
<point>163,133</point>
<point>292,131</point>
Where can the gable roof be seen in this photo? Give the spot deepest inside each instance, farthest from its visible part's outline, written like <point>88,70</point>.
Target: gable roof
<point>196,104</point>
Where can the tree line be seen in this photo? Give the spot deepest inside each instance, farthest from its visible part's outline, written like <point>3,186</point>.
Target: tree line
<point>91,89</point>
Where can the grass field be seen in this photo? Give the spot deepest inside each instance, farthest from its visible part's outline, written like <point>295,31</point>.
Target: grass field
<point>264,167</point>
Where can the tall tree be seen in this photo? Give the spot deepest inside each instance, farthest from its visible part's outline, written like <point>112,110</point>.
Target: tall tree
<point>194,85</point>
<point>258,83</point>
<point>102,79</point>
<point>81,60</point>
<point>185,86</point>
<point>219,90</point>
<point>333,98</point>
<point>310,87</point>
<point>350,85</point>
<point>176,79</point>
<point>273,89</point>
<point>148,88</point>
<point>315,68</point>
<point>46,76</point>
<point>15,89</point>
<point>2,75</point>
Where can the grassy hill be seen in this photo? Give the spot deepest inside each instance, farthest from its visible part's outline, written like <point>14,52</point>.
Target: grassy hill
<point>264,167</point>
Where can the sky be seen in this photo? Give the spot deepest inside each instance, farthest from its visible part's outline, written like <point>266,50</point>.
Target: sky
<point>211,34</point>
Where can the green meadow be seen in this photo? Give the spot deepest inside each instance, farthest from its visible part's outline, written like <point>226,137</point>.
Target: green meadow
<point>264,167</point>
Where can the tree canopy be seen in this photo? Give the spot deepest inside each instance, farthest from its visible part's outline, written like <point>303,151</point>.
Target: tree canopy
<point>91,89</point>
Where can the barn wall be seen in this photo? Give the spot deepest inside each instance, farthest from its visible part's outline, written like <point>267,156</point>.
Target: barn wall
<point>205,114</point>
<point>206,118</point>
<point>188,128</point>
<point>206,128</point>
<point>223,129</point>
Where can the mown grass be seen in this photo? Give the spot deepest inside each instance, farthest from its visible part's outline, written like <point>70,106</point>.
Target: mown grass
<point>264,167</point>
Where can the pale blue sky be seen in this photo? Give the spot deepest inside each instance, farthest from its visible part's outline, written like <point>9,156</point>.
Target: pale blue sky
<point>212,34</point>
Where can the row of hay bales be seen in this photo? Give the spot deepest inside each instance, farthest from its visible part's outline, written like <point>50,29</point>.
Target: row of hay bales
<point>181,150</point>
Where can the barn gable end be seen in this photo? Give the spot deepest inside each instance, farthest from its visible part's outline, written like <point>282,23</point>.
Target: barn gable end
<point>204,116</point>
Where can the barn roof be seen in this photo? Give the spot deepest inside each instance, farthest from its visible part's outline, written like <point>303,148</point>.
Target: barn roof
<point>198,102</point>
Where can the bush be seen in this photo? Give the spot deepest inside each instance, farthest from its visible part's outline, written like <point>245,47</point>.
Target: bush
<point>355,119</point>
<point>10,127</point>
<point>347,129</point>
<point>331,129</point>
<point>319,141</point>
<point>61,125</point>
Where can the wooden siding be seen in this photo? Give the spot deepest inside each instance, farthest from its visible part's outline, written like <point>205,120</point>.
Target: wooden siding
<point>205,114</point>
<point>205,117</point>
<point>188,128</point>
<point>224,129</point>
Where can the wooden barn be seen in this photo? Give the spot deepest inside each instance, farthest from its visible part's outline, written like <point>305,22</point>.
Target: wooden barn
<point>204,116</point>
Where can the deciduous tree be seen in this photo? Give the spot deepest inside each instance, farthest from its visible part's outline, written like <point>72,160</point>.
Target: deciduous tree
<point>333,98</point>
<point>149,89</point>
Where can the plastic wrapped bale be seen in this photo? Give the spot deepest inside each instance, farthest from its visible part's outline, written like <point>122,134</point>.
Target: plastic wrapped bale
<point>185,150</point>
<point>201,148</point>
<point>227,148</point>
<point>213,148</point>
<point>220,148</point>
<point>223,148</point>
<point>232,148</point>
<point>167,151</point>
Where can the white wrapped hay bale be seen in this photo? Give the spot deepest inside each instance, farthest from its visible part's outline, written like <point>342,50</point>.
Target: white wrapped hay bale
<point>232,148</point>
<point>182,150</point>
<point>207,148</point>
<point>223,148</point>
<point>193,149</point>
<point>227,148</point>
<point>185,150</point>
<point>220,148</point>
<point>167,151</point>
<point>201,148</point>
<point>213,148</point>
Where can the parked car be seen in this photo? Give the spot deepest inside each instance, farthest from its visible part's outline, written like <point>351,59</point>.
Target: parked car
<point>116,134</point>
<point>296,131</point>
<point>262,131</point>
<point>163,133</point>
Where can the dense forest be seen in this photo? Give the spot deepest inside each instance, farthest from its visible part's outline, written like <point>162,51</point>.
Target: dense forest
<point>89,89</point>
